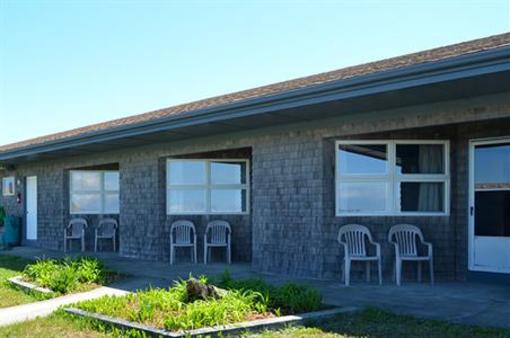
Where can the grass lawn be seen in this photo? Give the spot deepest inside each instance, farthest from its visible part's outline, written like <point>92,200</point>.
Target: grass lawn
<point>369,323</point>
<point>11,266</point>
<point>377,323</point>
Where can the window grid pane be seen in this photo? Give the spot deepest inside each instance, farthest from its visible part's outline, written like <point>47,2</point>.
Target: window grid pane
<point>358,197</point>
<point>226,188</point>
<point>425,185</point>
<point>94,192</point>
<point>362,159</point>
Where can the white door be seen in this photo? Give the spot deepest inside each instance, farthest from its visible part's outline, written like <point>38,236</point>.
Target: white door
<point>31,208</point>
<point>489,206</point>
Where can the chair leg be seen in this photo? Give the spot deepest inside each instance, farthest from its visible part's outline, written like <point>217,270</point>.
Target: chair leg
<point>205,253</point>
<point>379,269</point>
<point>195,257</point>
<point>419,271</point>
<point>191,254</point>
<point>229,255</point>
<point>82,244</point>
<point>65,243</point>
<point>343,271</point>
<point>367,266</point>
<point>347,269</point>
<point>114,244</point>
<point>95,244</point>
<point>398,271</point>
<point>431,263</point>
<point>171,254</point>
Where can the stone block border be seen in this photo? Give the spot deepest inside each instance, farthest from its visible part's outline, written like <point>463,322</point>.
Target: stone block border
<point>225,330</point>
<point>18,281</point>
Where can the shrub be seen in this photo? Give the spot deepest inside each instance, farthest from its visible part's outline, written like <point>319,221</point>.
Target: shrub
<point>41,271</point>
<point>63,280</point>
<point>288,298</point>
<point>294,298</point>
<point>66,275</point>
<point>89,270</point>
<point>171,308</point>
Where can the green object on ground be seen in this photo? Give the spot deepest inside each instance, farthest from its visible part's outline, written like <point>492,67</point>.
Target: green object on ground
<point>12,231</point>
<point>2,215</point>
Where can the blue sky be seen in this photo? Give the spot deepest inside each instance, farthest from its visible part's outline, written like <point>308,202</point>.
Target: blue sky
<point>65,64</point>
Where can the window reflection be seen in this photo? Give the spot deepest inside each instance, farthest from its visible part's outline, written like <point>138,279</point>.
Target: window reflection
<point>420,159</point>
<point>362,197</point>
<point>362,159</point>
<point>228,172</point>
<point>228,200</point>
<point>422,196</point>
<point>187,200</point>
<point>492,166</point>
<point>187,172</point>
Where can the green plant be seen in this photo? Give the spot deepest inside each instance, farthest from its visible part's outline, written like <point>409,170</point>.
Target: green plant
<point>41,271</point>
<point>294,298</point>
<point>2,215</point>
<point>172,309</point>
<point>88,270</point>
<point>64,279</point>
<point>66,275</point>
<point>288,298</point>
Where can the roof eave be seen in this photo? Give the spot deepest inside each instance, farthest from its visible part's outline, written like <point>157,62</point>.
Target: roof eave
<point>454,68</point>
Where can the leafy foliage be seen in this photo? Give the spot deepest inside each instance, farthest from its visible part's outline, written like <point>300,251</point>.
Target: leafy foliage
<point>289,298</point>
<point>66,275</point>
<point>172,308</point>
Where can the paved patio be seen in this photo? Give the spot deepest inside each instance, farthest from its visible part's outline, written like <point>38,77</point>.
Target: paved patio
<point>467,303</point>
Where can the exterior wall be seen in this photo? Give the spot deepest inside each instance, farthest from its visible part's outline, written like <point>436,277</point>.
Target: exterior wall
<point>291,228</point>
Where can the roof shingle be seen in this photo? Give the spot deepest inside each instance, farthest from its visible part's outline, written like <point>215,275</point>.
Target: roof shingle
<point>431,55</point>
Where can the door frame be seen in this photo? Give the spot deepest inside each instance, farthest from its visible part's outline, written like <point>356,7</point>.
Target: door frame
<point>471,202</point>
<point>26,209</point>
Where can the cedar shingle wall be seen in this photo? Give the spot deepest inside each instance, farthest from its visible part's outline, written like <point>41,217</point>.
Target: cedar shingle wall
<point>291,228</point>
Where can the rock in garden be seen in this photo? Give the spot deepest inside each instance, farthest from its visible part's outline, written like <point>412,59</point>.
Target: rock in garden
<point>198,290</point>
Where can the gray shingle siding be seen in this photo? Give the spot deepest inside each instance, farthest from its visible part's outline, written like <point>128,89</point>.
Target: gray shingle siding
<point>291,228</point>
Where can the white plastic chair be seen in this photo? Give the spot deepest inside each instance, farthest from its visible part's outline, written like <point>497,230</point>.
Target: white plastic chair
<point>404,238</point>
<point>353,239</point>
<point>75,231</point>
<point>106,229</point>
<point>217,235</point>
<point>185,237</point>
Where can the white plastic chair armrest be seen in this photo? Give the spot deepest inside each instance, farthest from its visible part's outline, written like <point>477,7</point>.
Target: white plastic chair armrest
<point>344,244</point>
<point>397,251</point>
<point>429,247</point>
<point>377,248</point>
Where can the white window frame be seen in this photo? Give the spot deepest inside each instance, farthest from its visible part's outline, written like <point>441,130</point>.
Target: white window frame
<point>102,192</point>
<point>5,191</point>
<point>393,179</point>
<point>208,186</point>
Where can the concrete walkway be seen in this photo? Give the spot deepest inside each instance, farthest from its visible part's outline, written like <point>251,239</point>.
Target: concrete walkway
<point>29,311</point>
<point>464,303</point>
<point>461,302</point>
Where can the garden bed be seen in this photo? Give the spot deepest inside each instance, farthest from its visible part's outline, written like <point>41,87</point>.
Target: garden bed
<point>201,307</point>
<point>220,330</point>
<point>51,278</point>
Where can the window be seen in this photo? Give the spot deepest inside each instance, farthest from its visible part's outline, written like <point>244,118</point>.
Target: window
<point>392,178</point>
<point>8,186</point>
<point>94,192</point>
<point>207,186</point>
